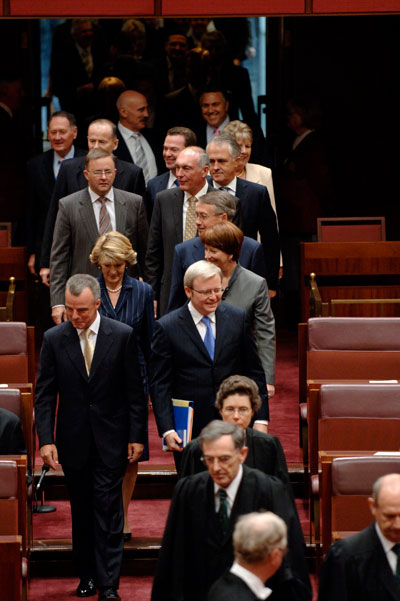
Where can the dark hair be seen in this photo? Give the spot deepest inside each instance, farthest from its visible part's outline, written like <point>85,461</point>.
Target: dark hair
<point>189,135</point>
<point>225,236</point>
<point>69,116</point>
<point>238,385</point>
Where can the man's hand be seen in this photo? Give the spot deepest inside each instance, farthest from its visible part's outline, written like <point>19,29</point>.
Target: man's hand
<point>45,275</point>
<point>49,454</point>
<point>271,293</point>
<point>261,427</point>
<point>271,390</point>
<point>31,264</point>
<point>58,314</point>
<point>173,441</point>
<point>135,450</point>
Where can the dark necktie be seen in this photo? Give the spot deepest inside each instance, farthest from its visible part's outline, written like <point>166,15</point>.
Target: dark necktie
<point>223,516</point>
<point>209,340</point>
<point>396,549</point>
<point>141,160</point>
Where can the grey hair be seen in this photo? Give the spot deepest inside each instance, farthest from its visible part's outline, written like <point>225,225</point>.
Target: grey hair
<point>217,428</point>
<point>77,283</point>
<point>256,535</point>
<point>222,200</point>
<point>98,153</point>
<point>380,482</point>
<point>203,158</point>
<point>202,269</point>
<point>234,148</point>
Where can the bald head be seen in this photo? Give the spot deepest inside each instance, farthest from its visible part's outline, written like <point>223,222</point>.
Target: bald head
<point>385,506</point>
<point>133,110</point>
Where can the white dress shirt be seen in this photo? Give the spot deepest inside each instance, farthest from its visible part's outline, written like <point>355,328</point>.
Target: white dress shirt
<point>200,325</point>
<point>253,582</point>
<point>210,130</point>
<point>110,204</point>
<point>231,186</point>
<point>94,330</point>
<point>130,140</point>
<point>57,160</point>
<point>171,181</point>
<point>231,491</point>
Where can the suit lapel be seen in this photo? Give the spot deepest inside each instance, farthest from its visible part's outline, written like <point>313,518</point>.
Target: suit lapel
<point>221,327</point>
<point>188,326</point>
<point>48,167</point>
<point>103,343</point>
<point>177,205</point>
<point>87,215</point>
<point>73,349</point>
<point>120,211</point>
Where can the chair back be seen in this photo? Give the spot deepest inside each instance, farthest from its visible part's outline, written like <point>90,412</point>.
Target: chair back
<point>351,229</point>
<point>17,353</point>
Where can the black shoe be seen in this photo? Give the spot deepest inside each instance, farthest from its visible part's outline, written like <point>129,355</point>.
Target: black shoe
<point>86,588</point>
<point>109,594</point>
<point>127,536</point>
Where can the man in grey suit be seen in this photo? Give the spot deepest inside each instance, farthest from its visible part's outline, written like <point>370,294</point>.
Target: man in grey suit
<point>169,220</point>
<point>176,139</point>
<point>86,214</point>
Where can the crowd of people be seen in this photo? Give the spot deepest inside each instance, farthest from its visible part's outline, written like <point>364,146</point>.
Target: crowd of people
<point>159,252</point>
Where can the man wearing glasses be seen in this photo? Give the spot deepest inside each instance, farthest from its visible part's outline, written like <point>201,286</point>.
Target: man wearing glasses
<point>196,347</point>
<point>84,216</point>
<point>197,545</point>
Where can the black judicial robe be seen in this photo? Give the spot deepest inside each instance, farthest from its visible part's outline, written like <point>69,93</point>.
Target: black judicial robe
<point>194,553</point>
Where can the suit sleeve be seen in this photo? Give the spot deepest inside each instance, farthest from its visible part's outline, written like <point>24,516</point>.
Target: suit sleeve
<point>161,375</point>
<point>269,240</point>
<point>191,463</point>
<point>46,394</point>
<point>333,583</point>
<point>60,256</point>
<point>264,330</point>
<point>253,368</point>
<point>155,252</point>
<point>60,190</point>
<point>177,296</point>
<point>137,401</point>
<point>257,262</point>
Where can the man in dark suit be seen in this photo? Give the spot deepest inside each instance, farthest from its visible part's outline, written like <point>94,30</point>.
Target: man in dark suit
<point>258,216</point>
<point>182,366</point>
<point>80,222</point>
<point>169,222</point>
<point>176,140</point>
<point>137,143</point>
<point>102,133</point>
<point>42,172</point>
<point>366,565</point>
<point>260,544</point>
<point>91,363</point>
<point>197,543</point>
<point>213,208</point>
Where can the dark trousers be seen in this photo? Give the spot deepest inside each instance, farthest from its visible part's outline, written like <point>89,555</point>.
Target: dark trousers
<point>97,520</point>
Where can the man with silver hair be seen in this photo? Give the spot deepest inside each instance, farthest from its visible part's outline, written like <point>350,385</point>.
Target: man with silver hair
<point>174,220</point>
<point>214,207</point>
<point>195,348</point>
<point>197,544</point>
<point>91,364</point>
<point>259,544</point>
<point>257,214</point>
<point>366,566</point>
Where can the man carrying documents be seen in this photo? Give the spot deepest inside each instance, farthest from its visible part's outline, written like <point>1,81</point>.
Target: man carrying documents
<point>196,347</point>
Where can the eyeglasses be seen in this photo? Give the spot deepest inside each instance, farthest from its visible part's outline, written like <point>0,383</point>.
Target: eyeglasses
<point>208,292</point>
<point>240,410</point>
<point>223,460</point>
<point>101,172</point>
<point>204,216</point>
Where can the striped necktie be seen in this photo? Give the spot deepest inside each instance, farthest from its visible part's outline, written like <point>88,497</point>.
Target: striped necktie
<point>104,217</point>
<point>223,516</point>
<point>141,160</point>
<point>209,340</point>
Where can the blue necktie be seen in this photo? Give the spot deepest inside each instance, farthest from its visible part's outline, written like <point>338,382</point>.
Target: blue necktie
<point>209,340</point>
<point>176,183</point>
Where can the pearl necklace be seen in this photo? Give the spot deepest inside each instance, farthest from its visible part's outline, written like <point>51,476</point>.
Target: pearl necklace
<point>115,290</point>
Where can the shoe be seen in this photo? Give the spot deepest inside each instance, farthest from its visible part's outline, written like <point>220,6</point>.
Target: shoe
<point>109,594</point>
<point>86,588</point>
<point>127,536</point>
